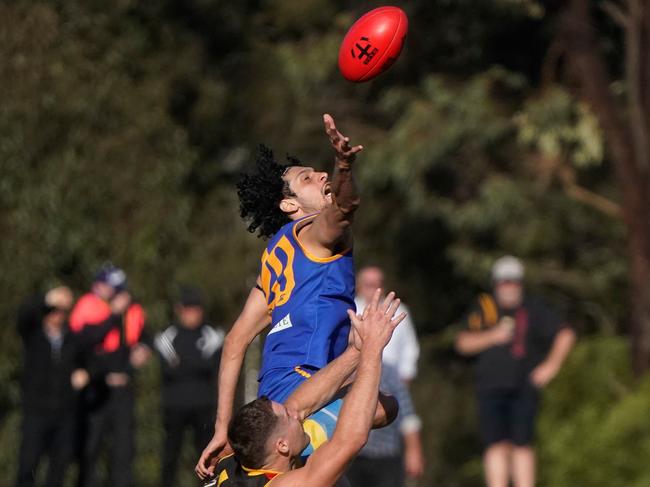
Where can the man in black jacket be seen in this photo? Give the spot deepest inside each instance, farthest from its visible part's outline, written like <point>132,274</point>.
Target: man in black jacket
<point>190,350</point>
<point>51,375</point>
<point>108,402</point>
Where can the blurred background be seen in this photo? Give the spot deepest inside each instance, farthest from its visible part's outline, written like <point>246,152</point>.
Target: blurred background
<point>506,126</point>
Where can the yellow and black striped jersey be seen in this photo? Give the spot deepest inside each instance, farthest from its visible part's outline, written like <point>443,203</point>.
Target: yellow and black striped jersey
<point>230,473</point>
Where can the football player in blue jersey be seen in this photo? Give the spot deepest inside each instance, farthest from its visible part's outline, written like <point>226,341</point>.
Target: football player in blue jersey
<point>306,282</point>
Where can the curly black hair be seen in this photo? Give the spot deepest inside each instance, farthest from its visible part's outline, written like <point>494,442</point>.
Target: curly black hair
<point>261,191</point>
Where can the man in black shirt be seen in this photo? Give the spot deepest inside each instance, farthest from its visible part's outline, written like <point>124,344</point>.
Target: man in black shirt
<point>520,345</point>
<point>51,374</point>
<point>190,350</point>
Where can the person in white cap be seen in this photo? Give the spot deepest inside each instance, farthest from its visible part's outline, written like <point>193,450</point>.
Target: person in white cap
<point>520,344</point>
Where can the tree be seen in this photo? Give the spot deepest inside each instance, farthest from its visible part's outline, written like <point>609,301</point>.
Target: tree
<point>625,122</point>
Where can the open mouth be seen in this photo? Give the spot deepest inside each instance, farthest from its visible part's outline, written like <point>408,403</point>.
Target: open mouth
<point>327,190</point>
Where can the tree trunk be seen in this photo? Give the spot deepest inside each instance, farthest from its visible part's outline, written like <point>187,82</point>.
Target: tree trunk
<point>625,127</point>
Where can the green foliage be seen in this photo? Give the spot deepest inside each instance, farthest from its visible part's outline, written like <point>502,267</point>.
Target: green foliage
<point>592,428</point>
<point>124,126</point>
<point>559,128</point>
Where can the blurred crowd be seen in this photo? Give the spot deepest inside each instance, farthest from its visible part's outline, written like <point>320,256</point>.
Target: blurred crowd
<point>78,388</point>
<point>80,358</point>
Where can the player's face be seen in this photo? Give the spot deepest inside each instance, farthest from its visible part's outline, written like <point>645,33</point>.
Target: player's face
<point>369,280</point>
<point>509,294</point>
<point>104,291</point>
<point>190,316</point>
<point>290,429</point>
<point>312,189</point>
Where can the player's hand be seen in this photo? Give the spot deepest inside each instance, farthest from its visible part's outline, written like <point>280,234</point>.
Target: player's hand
<point>354,340</point>
<point>413,463</point>
<point>216,449</point>
<point>375,327</point>
<point>139,355</point>
<point>79,379</point>
<point>503,332</point>
<point>340,143</point>
<point>59,297</point>
<point>543,374</point>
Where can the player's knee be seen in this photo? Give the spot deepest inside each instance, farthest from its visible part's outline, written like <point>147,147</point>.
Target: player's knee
<point>386,412</point>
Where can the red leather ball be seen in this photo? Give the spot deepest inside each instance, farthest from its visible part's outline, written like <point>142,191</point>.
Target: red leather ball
<point>373,44</point>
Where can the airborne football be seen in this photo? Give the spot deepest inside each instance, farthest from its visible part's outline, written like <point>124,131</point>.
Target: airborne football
<point>373,44</point>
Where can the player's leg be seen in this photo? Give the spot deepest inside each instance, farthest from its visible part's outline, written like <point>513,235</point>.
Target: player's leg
<point>174,422</point>
<point>493,414</point>
<point>524,413</point>
<point>496,464</point>
<point>93,435</point>
<point>123,423</point>
<point>32,446</point>
<point>60,450</point>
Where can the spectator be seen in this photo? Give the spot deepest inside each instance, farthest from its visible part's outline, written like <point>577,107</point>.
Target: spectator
<point>108,400</point>
<point>50,376</point>
<point>403,349</point>
<point>190,350</point>
<point>395,451</point>
<point>520,344</point>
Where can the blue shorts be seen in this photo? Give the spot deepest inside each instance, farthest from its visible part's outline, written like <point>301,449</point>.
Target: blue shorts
<point>278,385</point>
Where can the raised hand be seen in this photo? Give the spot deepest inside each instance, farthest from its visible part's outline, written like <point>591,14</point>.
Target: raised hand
<point>375,327</point>
<point>340,143</point>
<point>60,297</point>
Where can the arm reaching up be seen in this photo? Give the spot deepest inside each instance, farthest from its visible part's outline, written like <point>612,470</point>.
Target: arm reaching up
<point>328,463</point>
<point>250,323</point>
<point>330,229</point>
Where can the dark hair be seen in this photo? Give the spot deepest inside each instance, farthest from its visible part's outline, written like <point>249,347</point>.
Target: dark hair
<point>249,432</point>
<point>261,191</point>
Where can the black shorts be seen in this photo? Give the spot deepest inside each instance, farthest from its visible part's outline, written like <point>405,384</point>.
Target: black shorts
<point>508,415</point>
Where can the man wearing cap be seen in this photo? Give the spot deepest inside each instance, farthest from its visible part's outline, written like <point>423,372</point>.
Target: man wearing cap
<point>520,344</point>
<point>189,350</point>
<point>107,403</point>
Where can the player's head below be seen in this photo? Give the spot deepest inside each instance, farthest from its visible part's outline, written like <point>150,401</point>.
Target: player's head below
<point>508,281</point>
<point>263,433</point>
<point>273,194</point>
<point>369,279</point>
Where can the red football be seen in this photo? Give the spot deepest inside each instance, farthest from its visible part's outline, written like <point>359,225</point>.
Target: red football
<point>373,43</point>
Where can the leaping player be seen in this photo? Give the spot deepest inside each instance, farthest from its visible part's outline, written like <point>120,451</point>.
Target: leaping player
<point>306,283</point>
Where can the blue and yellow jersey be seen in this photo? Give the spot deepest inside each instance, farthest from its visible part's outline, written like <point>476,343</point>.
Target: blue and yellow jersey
<point>308,298</point>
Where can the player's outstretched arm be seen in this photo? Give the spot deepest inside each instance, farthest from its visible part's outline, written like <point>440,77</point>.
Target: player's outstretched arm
<point>334,379</point>
<point>331,226</point>
<point>250,323</point>
<point>329,462</point>
<point>320,389</point>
